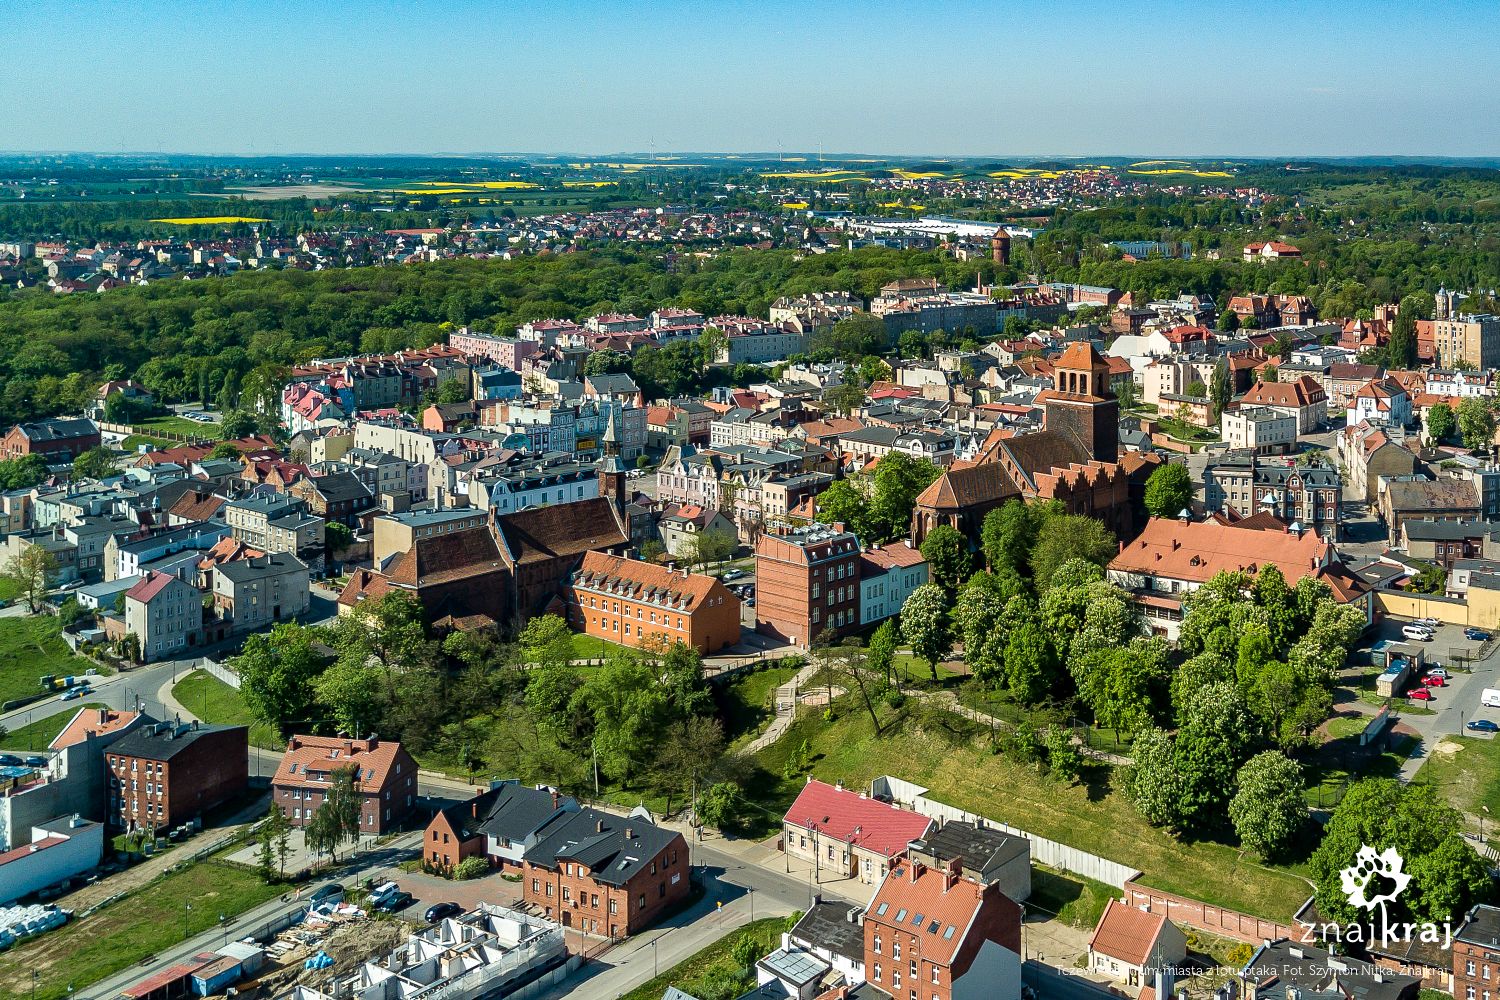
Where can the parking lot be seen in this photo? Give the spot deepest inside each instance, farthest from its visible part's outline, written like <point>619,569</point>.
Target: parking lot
<point>429,889</point>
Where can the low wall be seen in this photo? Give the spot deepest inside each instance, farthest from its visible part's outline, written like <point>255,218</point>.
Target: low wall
<point>1403,604</point>
<point>220,671</point>
<point>1043,851</point>
<point>1207,917</point>
<point>1165,443</point>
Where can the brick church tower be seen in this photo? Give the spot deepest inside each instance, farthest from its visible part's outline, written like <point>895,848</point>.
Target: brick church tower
<point>1082,402</point>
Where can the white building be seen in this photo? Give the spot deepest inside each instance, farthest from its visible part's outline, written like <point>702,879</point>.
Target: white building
<point>1132,946</point>
<point>59,849</point>
<point>1259,429</point>
<point>1383,402</point>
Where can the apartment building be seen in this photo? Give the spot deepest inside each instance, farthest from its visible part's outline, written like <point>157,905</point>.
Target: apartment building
<point>807,582</point>
<point>386,779</point>
<point>636,603</point>
<point>167,773</point>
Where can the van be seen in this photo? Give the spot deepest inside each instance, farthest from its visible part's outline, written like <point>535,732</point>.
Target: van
<point>1490,698</point>
<point>380,892</point>
<point>1421,633</point>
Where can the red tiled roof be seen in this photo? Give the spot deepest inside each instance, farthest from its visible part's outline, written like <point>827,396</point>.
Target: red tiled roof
<point>1126,933</point>
<point>332,753</point>
<point>147,589</point>
<point>856,818</point>
<point>88,720</point>
<point>949,913</point>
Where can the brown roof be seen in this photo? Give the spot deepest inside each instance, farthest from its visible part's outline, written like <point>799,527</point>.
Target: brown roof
<point>634,577</point>
<point>941,906</point>
<point>567,529</point>
<point>1305,391</point>
<point>878,559</point>
<point>374,757</point>
<point>364,583</point>
<point>1044,450</point>
<point>958,488</point>
<point>1199,550</point>
<point>447,557</point>
<point>1126,933</point>
<point>95,721</point>
<point>197,505</point>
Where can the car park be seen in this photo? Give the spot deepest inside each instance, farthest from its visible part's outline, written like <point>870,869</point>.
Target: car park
<point>1431,623</point>
<point>1482,726</point>
<point>1420,694</point>
<point>1476,635</point>
<point>442,911</point>
<point>733,574</point>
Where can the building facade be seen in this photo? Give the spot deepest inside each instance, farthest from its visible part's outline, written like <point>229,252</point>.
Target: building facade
<point>806,582</point>
<point>386,784</point>
<point>167,773</point>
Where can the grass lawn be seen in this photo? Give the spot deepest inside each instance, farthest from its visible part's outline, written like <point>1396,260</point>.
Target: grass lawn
<point>1466,772</point>
<point>1076,900</point>
<point>9,589</point>
<point>41,732</point>
<point>588,647</point>
<point>31,647</point>
<point>745,703</point>
<point>710,972</point>
<point>1339,762</point>
<point>181,425</point>
<point>119,936</point>
<point>947,754</point>
<point>214,701</point>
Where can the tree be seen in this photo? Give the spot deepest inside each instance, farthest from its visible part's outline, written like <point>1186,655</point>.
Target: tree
<point>628,710</point>
<point>711,547</point>
<point>1008,534</point>
<point>1169,490</point>
<point>337,536</point>
<point>1268,809</point>
<point>924,624</point>
<point>32,571</point>
<point>846,397</point>
<point>606,363</point>
<point>978,614</point>
<point>1229,321</point>
<point>844,503</point>
<point>350,690</point>
<point>238,424</point>
<point>851,338</point>
<point>276,671</point>
<point>1269,374</point>
<point>96,463</point>
<point>23,473</point>
<point>546,640</point>
<point>898,480</point>
<point>713,346</point>
<point>1070,536</point>
<point>652,550</point>
<point>948,557</point>
<point>225,450</point>
<point>278,829</point>
<point>1219,390</point>
<point>1030,663</point>
<point>336,821</point>
<point>1153,784</point>
<point>722,806</point>
<point>1476,423</point>
<point>1197,389</point>
<point>1401,348</point>
<point>1441,425</point>
<point>690,748</point>
<point>882,649</point>
<point>453,390</point>
<point>1064,759</point>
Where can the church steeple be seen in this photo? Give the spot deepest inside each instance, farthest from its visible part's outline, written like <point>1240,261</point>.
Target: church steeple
<point>1083,403</point>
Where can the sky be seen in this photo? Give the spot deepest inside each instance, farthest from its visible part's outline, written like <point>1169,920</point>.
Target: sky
<point>937,78</point>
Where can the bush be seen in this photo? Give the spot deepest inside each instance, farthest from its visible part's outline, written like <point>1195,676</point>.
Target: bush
<point>895,698</point>
<point>468,868</point>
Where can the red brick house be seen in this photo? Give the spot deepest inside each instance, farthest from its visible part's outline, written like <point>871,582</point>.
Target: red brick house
<point>606,875</point>
<point>167,773</point>
<point>500,825</point>
<point>58,440</point>
<point>386,783</point>
<point>1476,955</point>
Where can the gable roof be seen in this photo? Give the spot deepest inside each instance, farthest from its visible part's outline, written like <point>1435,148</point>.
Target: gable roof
<point>559,531</point>
<point>1126,933</point>
<point>856,818</point>
<point>375,758</point>
<point>443,558</point>
<point>939,914</point>
<point>614,848</point>
<point>510,811</point>
<point>1198,550</point>
<point>92,722</point>
<point>166,740</point>
<point>969,486</point>
<point>635,578</point>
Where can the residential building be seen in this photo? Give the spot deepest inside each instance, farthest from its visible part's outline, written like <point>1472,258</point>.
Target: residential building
<point>395,533</point>
<point>1311,496</point>
<point>60,439</point>
<point>847,834</point>
<point>276,522</point>
<point>1171,558</point>
<point>164,614</point>
<point>1476,954</point>
<point>386,779</point>
<point>607,875</point>
<point>1258,429</point>
<point>1368,453</point>
<point>1287,970</point>
<point>1444,542</point>
<point>1473,340</point>
<point>1195,411</point>
<point>168,773</point>
<point>807,582</point>
<point>936,934</point>
<point>1441,500</point>
<point>1273,250</point>
<point>507,351</point>
<point>338,496</point>
<point>983,854</point>
<point>253,594</point>
<point>521,483</point>
<point>1134,947</point>
<point>1381,402</point>
<point>642,604</point>
<point>1302,398</point>
<point>58,850</point>
<point>887,576</point>
<point>131,556</point>
<point>499,825</point>
<point>681,526</point>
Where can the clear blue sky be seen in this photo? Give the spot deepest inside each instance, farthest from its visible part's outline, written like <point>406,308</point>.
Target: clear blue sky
<point>941,77</point>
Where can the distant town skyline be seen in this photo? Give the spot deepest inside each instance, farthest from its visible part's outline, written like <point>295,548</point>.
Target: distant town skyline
<point>953,78</point>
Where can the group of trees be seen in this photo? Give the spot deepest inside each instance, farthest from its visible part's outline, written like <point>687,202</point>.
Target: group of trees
<point>1472,423</point>
<point>877,507</point>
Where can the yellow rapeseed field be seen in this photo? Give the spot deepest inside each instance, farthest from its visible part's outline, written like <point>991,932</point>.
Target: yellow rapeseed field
<point>917,175</point>
<point>816,175</point>
<point>794,205</point>
<point>589,184</point>
<point>1181,170</point>
<point>209,220</point>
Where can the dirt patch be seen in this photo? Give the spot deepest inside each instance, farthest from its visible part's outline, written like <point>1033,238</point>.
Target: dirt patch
<point>349,945</point>
<point>1446,748</point>
<point>278,192</point>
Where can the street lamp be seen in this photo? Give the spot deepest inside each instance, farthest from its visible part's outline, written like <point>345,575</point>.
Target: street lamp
<point>653,965</point>
<point>224,927</point>
<point>186,909</point>
<point>751,891</point>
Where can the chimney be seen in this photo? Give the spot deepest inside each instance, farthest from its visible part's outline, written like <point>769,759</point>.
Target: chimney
<point>599,826</point>
<point>474,808</point>
<point>629,833</point>
<point>293,743</point>
<point>556,799</point>
<point>103,716</point>
<point>915,870</point>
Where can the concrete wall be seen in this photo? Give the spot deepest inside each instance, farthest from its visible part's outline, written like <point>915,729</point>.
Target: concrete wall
<point>80,852</point>
<point>1452,610</point>
<point>1205,916</point>
<point>76,786</point>
<point>220,671</point>
<point>1048,852</point>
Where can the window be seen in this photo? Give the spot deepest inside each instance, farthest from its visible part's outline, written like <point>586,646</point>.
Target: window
<point>641,901</point>
<point>877,943</point>
<point>1470,964</point>
<point>536,885</point>
<point>614,906</point>
<point>896,950</point>
<point>877,977</point>
<point>549,888</point>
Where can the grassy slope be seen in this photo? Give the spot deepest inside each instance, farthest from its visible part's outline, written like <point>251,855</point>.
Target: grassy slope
<point>120,935</point>
<point>714,961</point>
<point>214,701</point>
<point>31,647</point>
<point>1093,816</point>
<point>745,702</point>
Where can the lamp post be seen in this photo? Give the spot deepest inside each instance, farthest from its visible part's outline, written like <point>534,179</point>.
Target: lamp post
<point>186,909</point>
<point>653,958</point>
<point>224,928</point>
<point>751,891</point>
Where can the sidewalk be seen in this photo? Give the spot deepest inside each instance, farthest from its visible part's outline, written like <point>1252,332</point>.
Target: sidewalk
<point>786,710</point>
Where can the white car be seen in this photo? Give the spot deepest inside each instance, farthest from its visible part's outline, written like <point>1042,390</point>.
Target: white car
<point>1431,623</point>
<point>1418,633</point>
<point>1439,672</point>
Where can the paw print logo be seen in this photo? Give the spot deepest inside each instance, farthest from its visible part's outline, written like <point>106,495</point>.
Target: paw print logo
<point>1368,872</point>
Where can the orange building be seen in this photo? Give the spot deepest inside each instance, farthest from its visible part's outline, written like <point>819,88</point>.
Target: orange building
<point>629,601</point>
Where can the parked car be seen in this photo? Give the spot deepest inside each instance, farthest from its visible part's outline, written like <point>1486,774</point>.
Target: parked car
<point>1476,635</point>
<point>1420,694</point>
<point>733,574</point>
<point>380,892</point>
<point>1431,623</point>
<point>441,911</point>
<point>1482,726</point>
<point>36,760</point>
<point>9,760</point>
<point>1437,671</point>
<point>394,901</point>
<point>331,890</point>
<point>1433,681</point>
<point>1418,633</point>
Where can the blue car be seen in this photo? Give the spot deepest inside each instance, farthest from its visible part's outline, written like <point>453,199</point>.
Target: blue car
<point>1476,635</point>
<point>1483,726</point>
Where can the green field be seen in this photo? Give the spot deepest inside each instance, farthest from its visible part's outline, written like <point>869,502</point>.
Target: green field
<point>745,703</point>
<point>9,589</point>
<point>1466,772</point>
<point>38,734</point>
<point>144,923</point>
<point>174,424</point>
<point>714,971</point>
<point>588,647</point>
<point>1074,899</point>
<point>31,647</point>
<point>946,754</point>
<point>211,700</point>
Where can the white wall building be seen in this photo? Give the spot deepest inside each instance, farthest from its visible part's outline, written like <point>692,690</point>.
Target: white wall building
<point>59,849</point>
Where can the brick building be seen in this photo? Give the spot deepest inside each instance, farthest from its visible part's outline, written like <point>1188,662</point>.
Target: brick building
<point>386,784</point>
<point>806,581</point>
<point>166,773</point>
<point>500,825</point>
<point>60,439</point>
<point>1476,955</point>
<point>932,934</point>
<point>1309,495</point>
<point>630,602</point>
<point>604,874</point>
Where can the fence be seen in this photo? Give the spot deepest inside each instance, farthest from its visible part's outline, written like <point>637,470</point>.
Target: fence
<point>1047,852</point>
<point>220,671</point>
<point>1206,916</point>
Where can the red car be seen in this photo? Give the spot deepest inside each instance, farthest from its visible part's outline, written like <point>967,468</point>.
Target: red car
<point>1434,682</point>
<point>1420,694</point>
